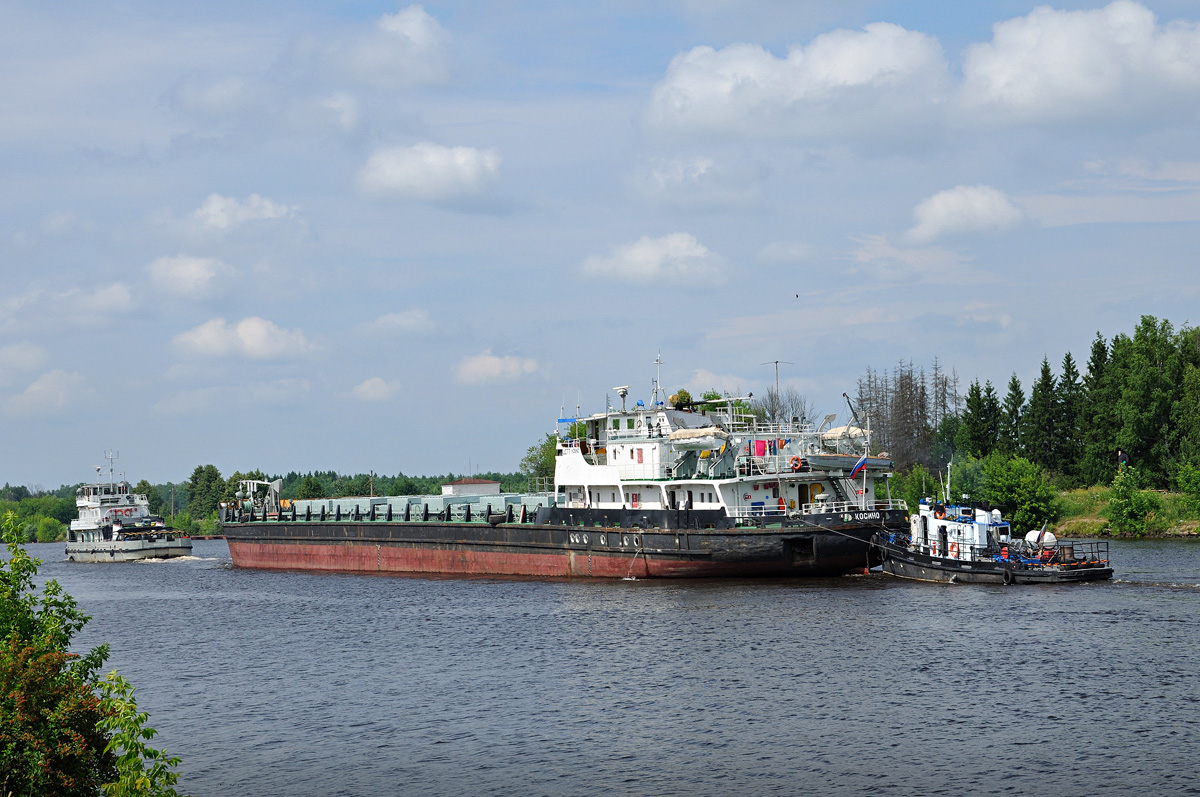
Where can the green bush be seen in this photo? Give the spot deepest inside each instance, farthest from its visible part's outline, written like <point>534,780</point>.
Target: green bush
<point>184,523</point>
<point>57,735</point>
<point>1020,489</point>
<point>50,530</point>
<point>967,477</point>
<point>1131,510</point>
<point>209,526</point>
<point>913,485</point>
<point>1188,480</point>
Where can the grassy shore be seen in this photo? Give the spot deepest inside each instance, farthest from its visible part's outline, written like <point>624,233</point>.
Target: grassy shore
<point>1081,513</point>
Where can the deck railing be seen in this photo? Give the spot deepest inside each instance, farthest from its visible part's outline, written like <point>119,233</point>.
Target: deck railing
<point>770,508</point>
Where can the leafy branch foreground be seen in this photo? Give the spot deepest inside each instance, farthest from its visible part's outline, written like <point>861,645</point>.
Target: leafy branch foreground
<point>63,729</point>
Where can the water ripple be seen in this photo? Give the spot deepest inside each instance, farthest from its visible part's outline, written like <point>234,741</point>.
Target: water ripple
<point>319,684</point>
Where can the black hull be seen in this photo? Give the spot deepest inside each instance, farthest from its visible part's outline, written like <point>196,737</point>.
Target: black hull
<point>923,567</point>
<point>574,543</point>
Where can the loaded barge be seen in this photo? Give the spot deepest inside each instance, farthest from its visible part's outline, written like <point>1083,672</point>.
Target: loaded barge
<point>699,489</point>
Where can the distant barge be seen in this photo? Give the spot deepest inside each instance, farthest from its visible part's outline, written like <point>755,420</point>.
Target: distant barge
<point>696,490</point>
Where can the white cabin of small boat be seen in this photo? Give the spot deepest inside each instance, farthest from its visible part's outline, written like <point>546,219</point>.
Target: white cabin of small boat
<point>957,532</point>
<point>104,503</point>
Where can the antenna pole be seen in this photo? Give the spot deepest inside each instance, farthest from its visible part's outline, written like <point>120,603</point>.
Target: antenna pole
<point>777,396</point>
<point>658,361</point>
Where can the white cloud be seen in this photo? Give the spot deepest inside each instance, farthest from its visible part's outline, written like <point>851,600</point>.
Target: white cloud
<point>223,212</point>
<point>963,209</point>
<point>48,394</point>
<point>1142,169</point>
<point>63,223</point>
<point>701,183</point>
<point>429,172</point>
<point>193,277</point>
<point>74,307</point>
<point>376,389</point>
<point>252,337</point>
<point>676,255</point>
<point>785,252</point>
<point>345,108</point>
<point>20,357</point>
<point>1056,66</point>
<point>255,395</point>
<point>881,260</point>
<point>875,82</point>
<point>411,322</point>
<point>408,48</point>
<point>1060,210</point>
<point>487,367</point>
<point>217,97</point>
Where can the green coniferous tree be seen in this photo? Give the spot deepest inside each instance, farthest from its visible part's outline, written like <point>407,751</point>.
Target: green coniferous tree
<point>310,487</point>
<point>1041,419</point>
<point>1011,412</point>
<point>971,437</point>
<point>1068,450</point>
<point>991,418</point>
<point>1098,423</point>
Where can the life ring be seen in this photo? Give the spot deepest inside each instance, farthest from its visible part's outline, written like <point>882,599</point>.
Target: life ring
<point>940,514</point>
<point>1004,552</point>
<point>954,550</point>
<point>1008,576</point>
<point>795,464</point>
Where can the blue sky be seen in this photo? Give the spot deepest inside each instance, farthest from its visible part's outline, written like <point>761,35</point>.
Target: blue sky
<point>359,236</point>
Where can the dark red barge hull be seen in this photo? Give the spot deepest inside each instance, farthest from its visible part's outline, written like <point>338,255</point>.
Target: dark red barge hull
<point>551,551</point>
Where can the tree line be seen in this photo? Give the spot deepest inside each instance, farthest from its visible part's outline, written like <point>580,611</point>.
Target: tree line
<point>1138,401</point>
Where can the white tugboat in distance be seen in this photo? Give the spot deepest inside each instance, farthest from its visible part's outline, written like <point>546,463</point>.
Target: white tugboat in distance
<point>115,525</point>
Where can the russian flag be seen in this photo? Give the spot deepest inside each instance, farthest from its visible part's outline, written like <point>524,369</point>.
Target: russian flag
<point>858,466</point>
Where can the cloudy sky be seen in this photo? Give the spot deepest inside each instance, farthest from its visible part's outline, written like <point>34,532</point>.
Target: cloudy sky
<point>363,235</point>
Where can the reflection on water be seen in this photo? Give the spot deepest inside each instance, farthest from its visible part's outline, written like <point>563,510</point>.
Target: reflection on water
<point>307,684</point>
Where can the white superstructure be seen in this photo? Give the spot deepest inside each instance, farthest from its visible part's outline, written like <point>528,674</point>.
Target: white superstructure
<point>713,456</point>
<point>115,525</point>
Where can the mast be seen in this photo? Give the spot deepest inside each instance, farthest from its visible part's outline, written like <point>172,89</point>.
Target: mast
<point>658,363</point>
<point>777,396</point>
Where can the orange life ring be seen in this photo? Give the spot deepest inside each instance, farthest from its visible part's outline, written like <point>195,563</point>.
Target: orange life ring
<point>795,464</point>
<point>954,549</point>
<point>940,514</point>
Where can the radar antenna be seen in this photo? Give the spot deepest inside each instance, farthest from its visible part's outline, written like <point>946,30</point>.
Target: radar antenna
<point>622,391</point>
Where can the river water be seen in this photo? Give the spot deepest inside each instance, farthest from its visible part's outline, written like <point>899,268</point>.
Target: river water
<point>284,683</point>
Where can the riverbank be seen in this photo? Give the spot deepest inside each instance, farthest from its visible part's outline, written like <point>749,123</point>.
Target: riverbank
<point>1082,513</point>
